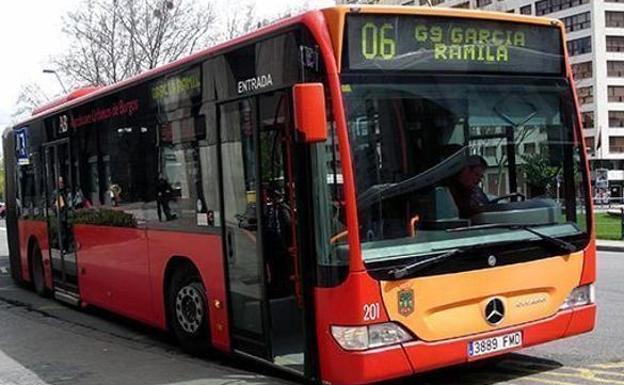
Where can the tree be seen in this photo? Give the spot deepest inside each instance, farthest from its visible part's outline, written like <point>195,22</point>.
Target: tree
<point>540,173</point>
<point>113,40</point>
<point>30,97</point>
<point>240,19</point>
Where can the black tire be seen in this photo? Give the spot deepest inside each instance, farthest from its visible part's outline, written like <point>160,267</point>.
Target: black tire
<point>187,310</point>
<point>37,273</point>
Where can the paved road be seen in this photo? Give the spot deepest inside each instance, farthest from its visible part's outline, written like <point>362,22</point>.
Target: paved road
<point>43,342</point>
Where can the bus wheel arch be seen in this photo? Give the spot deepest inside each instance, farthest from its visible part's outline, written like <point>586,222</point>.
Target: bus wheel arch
<point>186,305</point>
<point>36,268</point>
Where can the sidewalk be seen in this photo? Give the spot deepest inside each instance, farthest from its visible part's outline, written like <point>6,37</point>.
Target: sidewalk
<point>605,245</point>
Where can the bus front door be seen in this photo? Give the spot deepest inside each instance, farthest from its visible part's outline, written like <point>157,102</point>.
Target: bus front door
<point>60,205</point>
<point>259,229</point>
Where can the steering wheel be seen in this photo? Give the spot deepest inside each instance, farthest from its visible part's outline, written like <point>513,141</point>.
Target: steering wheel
<point>508,196</point>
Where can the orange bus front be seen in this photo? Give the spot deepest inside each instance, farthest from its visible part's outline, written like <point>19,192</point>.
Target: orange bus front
<point>469,177</point>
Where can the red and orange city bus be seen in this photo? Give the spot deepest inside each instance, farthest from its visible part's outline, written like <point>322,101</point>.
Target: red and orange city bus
<point>354,194</point>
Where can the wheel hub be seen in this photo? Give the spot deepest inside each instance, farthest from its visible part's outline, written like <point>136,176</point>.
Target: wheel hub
<point>189,308</point>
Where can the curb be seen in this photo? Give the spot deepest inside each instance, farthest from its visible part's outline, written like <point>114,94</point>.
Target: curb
<point>610,248</point>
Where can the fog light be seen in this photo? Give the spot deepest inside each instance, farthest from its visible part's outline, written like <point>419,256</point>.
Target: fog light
<point>580,296</point>
<point>369,337</point>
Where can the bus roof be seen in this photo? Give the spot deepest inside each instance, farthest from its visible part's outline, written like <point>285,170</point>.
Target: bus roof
<point>55,106</point>
<point>335,17</point>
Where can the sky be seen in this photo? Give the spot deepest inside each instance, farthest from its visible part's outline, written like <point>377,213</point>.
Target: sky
<point>30,33</point>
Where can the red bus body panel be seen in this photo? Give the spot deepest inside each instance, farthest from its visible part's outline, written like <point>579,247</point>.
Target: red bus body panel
<point>123,270</point>
<point>114,270</point>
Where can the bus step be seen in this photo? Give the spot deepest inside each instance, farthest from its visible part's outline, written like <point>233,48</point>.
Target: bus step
<point>66,296</point>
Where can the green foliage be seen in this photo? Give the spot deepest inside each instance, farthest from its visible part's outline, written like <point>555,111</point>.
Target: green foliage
<point>102,217</point>
<point>539,171</point>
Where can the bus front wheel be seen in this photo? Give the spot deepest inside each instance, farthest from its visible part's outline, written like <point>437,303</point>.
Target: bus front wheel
<point>187,309</point>
<point>38,275</point>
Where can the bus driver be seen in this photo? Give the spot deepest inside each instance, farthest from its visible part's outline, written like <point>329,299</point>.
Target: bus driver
<point>464,186</point>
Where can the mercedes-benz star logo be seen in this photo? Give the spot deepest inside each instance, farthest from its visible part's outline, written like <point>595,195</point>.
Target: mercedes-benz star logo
<point>494,311</point>
<point>492,260</point>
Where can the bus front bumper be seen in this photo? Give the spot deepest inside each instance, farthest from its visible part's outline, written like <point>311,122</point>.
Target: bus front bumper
<point>424,356</point>
<point>344,367</point>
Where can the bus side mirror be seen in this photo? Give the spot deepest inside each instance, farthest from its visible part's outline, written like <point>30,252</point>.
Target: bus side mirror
<point>310,115</point>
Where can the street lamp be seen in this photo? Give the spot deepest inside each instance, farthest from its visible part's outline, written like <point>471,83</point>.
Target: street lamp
<point>48,71</point>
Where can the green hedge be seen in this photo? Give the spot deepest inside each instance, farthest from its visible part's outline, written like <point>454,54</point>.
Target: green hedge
<point>102,217</point>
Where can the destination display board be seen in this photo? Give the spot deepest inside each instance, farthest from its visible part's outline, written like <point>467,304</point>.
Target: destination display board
<point>422,43</point>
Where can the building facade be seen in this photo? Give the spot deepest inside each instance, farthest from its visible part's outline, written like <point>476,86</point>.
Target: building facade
<point>596,46</point>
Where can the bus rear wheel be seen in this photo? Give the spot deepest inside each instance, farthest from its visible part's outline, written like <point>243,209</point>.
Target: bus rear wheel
<point>187,310</point>
<point>38,275</point>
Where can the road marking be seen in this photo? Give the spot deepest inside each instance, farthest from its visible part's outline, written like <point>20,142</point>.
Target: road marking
<point>610,365</point>
<point>548,370</point>
<point>12,372</point>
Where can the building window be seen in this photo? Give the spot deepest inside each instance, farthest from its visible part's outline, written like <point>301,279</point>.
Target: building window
<point>587,119</point>
<point>615,43</point>
<point>614,19</point>
<point>579,46</point>
<point>577,22</point>
<point>616,94</point>
<point>483,3</point>
<point>616,144</point>
<point>589,144</point>
<point>582,70</point>
<point>585,95</point>
<point>548,6</point>
<point>529,148</point>
<point>465,5</point>
<point>616,119</point>
<point>615,69</point>
<point>526,10</point>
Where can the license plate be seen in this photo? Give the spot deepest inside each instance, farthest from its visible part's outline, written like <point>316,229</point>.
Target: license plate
<point>494,344</point>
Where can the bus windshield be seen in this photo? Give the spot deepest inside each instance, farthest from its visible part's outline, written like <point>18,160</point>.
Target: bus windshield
<point>444,163</point>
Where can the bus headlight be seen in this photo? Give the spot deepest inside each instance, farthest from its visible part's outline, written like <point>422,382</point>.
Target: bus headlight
<point>369,337</point>
<point>580,296</point>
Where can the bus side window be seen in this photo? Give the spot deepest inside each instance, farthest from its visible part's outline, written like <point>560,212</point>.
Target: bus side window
<point>182,157</point>
<point>128,168</point>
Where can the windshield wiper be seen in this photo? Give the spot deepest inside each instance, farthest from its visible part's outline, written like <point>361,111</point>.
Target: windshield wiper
<point>430,261</point>
<point>559,243</point>
<point>423,264</point>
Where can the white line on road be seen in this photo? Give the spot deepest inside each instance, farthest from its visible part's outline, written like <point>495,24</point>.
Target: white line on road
<point>13,373</point>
